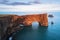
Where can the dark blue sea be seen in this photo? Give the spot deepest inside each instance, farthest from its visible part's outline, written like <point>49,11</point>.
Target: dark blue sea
<point>36,32</point>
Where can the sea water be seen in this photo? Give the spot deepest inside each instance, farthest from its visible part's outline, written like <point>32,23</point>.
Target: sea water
<point>52,32</point>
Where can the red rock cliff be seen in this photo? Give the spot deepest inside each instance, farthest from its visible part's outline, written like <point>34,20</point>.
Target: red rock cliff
<point>10,23</point>
<point>28,19</point>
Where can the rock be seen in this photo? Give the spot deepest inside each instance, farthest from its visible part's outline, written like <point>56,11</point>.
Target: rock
<point>50,16</point>
<point>52,22</point>
<point>11,23</point>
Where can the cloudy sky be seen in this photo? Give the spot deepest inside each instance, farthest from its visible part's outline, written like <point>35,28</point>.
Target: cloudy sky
<point>41,1</point>
<point>44,6</point>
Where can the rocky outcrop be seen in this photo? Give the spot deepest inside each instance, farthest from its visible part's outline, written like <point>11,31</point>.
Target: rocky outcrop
<point>41,18</point>
<point>8,25</point>
<point>12,23</point>
<point>50,15</point>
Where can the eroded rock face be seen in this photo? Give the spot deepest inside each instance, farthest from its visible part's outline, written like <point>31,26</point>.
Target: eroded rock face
<point>11,23</point>
<point>41,18</point>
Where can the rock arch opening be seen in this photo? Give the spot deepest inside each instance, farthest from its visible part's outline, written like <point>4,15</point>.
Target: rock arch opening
<point>35,25</point>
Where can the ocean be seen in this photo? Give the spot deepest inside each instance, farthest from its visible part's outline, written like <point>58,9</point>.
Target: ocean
<point>35,32</point>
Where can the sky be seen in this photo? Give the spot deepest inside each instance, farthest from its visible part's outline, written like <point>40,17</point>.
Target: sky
<point>44,6</point>
<point>42,1</point>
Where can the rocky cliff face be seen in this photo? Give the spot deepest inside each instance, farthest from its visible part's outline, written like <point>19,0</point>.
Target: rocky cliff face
<point>41,18</point>
<point>12,23</point>
<point>8,25</point>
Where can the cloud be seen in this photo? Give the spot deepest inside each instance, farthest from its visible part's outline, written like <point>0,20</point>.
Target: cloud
<point>30,8</point>
<point>21,2</point>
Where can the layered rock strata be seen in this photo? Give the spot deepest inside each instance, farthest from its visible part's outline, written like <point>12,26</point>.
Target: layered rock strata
<point>12,23</point>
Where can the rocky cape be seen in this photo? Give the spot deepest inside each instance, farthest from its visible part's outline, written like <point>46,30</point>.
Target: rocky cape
<point>9,24</point>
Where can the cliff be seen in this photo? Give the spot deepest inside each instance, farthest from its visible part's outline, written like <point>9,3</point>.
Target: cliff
<point>12,23</point>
